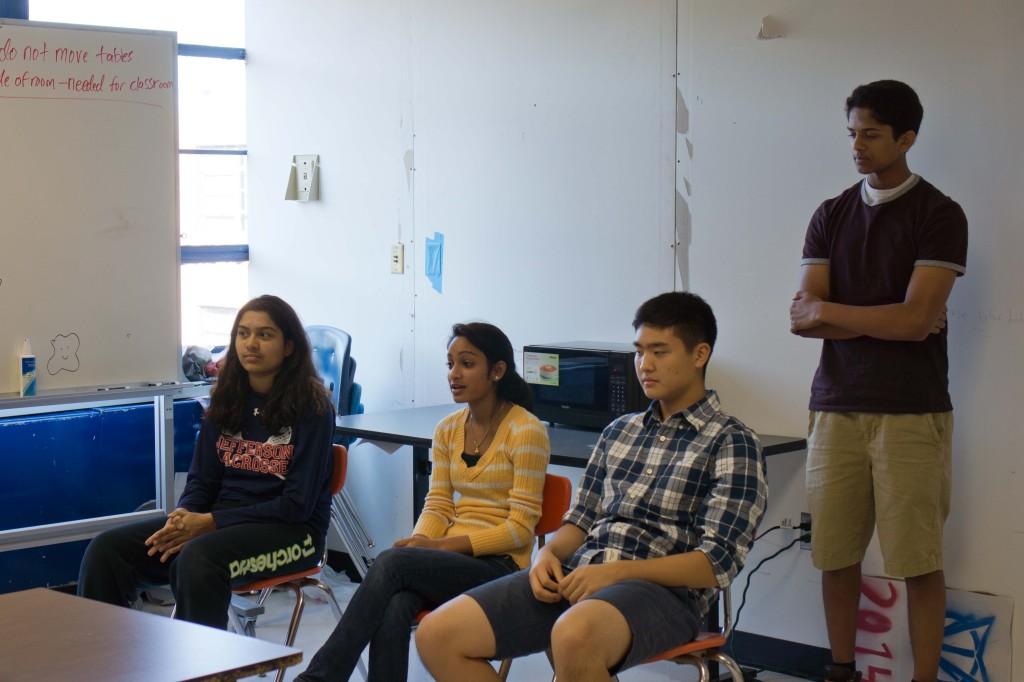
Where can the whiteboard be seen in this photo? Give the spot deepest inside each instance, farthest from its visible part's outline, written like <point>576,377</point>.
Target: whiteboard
<point>88,204</point>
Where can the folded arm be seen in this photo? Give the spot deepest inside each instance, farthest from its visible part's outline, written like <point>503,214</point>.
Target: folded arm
<point>439,506</point>
<point>726,522</point>
<point>690,569</point>
<point>922,311</point>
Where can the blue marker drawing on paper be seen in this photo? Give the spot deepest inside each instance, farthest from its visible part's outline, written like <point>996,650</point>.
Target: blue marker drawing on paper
<point>963,649</point>
<point>434,265</point>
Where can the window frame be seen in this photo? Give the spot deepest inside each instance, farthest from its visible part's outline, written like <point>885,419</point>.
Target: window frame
<point>227,253</point>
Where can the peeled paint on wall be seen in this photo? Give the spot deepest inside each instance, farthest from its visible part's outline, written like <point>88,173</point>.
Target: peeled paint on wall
<point>684,227</point>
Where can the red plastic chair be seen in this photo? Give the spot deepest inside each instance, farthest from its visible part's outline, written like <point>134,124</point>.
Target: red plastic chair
<point>557,498</point>
<point>307,578</point>
<point>706,647</point>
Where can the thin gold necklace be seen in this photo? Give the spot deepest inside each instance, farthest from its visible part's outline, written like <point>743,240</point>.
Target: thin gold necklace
<point>495,418</point>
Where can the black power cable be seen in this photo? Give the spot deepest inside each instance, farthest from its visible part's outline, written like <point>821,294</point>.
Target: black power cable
<point>763,533</point>
<point>743,600</point>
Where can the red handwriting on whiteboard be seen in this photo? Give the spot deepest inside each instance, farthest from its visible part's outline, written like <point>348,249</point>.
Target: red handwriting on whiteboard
<point>93,83</point>
<point>90,84</point>
<point>114,55</point>
<point>140,83</point>
<point>873,626</point>
<point>66,55</point>
<point>8,52</point>
<point>34,54</point>
<point>26,79</point>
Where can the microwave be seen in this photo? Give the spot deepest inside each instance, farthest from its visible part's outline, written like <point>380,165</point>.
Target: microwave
<point>583,383</point>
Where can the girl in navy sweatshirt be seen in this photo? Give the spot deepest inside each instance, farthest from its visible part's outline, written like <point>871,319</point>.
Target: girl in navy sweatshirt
<point>257,500</point>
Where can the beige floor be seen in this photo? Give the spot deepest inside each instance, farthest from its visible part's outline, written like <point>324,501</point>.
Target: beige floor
<point>317,623</point>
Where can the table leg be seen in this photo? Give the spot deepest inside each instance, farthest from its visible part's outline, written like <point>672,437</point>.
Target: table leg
<point>420,479</point>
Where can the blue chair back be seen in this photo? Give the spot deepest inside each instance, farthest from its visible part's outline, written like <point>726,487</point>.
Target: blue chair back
<point>334,363</point>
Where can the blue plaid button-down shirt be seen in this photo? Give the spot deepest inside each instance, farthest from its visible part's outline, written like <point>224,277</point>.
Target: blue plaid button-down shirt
<point>652,488</point>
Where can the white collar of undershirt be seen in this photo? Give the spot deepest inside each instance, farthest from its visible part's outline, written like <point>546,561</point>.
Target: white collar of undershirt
<point>874,197</point>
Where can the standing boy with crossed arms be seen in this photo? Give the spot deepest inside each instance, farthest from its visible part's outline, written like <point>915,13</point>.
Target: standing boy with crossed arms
<point>879,262</point>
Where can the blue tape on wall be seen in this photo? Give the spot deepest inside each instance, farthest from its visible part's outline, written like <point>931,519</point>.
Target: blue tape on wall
<point>434,266</point>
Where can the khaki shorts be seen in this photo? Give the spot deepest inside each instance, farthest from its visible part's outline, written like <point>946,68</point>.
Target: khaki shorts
<point>892,470</point>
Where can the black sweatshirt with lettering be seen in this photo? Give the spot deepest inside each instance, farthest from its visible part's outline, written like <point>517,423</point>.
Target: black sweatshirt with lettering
<point>258,477</point>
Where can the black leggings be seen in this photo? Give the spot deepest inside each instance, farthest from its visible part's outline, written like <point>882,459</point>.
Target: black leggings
<point>201,575</point>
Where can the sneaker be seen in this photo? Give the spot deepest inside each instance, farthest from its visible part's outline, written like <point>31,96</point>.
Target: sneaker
<point>839,673</point>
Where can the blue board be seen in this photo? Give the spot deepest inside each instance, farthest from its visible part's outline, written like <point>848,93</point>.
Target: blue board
<point>74,465</point>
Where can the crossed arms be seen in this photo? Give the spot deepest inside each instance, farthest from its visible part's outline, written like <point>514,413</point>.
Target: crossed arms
<point>922,311</point>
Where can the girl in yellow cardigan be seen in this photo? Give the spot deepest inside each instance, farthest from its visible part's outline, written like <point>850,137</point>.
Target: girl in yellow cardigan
<point>489,461</point>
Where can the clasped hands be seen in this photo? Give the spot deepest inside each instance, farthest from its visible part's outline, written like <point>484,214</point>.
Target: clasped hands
<point>181,526</point>
<point>422,541</point>
<point>550,584</point>
<point>804,311</point>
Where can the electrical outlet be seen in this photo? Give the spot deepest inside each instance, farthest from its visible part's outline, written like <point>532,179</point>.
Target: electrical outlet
<point>397,258</point>
<point>805,522</point>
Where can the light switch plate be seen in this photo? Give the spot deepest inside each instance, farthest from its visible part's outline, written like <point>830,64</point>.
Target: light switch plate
<point>304,179</point>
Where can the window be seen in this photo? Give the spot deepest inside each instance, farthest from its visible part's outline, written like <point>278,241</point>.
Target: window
<point>212,146</point>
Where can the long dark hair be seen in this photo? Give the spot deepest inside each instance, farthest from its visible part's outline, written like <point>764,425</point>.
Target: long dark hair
<point>496,347</point>
<point>297,389</point>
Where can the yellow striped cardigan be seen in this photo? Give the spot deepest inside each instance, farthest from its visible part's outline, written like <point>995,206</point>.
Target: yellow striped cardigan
<point>496,503</point>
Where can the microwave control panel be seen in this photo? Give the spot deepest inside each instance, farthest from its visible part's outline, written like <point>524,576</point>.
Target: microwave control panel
<point>617,389</point>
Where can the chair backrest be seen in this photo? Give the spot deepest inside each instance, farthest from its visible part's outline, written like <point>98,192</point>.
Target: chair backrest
<point>340,469</point>
<point>333,362</point>
<point>557,497</point>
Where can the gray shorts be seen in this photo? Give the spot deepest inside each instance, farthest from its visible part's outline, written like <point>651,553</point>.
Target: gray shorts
<point>659,618</point>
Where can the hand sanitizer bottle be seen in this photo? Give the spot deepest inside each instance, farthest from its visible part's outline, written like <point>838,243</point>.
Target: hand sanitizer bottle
<point>26,370</point>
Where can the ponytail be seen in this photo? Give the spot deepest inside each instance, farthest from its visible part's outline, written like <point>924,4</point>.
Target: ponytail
<point>514,389</point>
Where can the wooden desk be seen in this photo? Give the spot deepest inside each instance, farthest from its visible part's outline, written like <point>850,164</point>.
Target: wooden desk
<point>47,635</point>
<point>415,426</point>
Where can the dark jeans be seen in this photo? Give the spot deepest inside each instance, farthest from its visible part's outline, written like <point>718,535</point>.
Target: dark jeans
<point>402,582</point>
<point>202,574</point>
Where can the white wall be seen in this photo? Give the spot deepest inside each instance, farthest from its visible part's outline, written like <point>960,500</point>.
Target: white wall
<point>543,153</point>
<point>767,132</point>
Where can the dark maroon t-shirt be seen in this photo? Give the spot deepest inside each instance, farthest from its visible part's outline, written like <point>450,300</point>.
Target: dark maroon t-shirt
<point>871,252</point>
